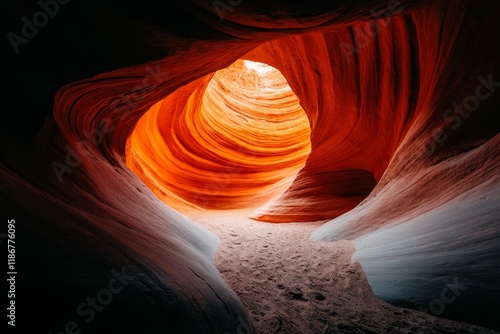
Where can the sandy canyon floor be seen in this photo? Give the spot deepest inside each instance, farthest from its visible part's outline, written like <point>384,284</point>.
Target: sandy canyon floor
<point>290,284</point>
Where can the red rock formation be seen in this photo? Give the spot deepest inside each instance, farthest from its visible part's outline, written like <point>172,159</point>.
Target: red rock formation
<point>379,95</point>
<point>229,140</point>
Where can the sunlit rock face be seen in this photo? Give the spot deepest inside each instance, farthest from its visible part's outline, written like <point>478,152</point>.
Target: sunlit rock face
<point>228,140</point>
<point>409,176</point>
<point>427,235</point>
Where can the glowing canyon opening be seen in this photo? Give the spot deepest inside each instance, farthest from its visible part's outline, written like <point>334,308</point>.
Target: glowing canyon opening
<point>233,139</point>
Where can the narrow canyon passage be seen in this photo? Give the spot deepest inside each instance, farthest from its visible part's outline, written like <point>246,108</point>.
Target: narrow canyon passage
<point>361,131</point>
<point>290,284</point>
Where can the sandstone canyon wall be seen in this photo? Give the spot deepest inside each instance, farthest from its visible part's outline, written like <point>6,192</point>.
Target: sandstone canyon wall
<point>113,106</point>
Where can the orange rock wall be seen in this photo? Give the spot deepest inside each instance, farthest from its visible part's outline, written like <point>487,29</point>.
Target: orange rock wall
<point>403,128</point>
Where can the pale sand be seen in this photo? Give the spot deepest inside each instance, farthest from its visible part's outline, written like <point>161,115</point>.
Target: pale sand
<point>290,284</point>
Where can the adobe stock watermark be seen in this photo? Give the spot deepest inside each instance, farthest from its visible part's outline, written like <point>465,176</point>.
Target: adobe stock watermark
<point>364,35</point>
<point>122,104</point>
<point>88,309</point>
<point>455,115</point>
<point>449,294</point>
<point>222,6</point>
<point>31,26</point>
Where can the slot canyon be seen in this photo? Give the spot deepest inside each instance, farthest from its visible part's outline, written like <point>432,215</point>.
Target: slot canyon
<point>237,166</point>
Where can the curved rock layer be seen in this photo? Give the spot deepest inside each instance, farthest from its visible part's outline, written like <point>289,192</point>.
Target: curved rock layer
<point>229,140</point>
<point>404,105</point>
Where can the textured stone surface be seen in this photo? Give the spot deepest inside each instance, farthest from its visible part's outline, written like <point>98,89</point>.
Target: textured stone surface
<point>229,140</point>
<point>386,142</point>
